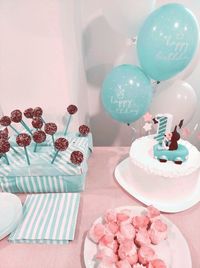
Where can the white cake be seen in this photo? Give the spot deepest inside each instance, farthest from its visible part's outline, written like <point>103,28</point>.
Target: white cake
<point>164,180</point>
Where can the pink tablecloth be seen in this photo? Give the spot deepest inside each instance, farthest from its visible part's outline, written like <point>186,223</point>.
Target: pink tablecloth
<point>101,192</point>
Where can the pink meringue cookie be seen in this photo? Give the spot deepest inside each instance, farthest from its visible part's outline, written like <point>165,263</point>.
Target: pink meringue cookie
<point>157,263</point>
<point>153,213</point>
<point>128,251</point>
<point>142,238</point>
<point>158,232</point>
<point>107,255</point>
<point>140,222</point>
<point>110,216</point>
<point>145,255</point>
<point>112,227</point>
<point>96,232</point>
<point>123,264</point>
<point>127,231</point>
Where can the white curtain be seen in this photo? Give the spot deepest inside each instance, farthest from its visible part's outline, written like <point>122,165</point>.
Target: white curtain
<point>41,58</point>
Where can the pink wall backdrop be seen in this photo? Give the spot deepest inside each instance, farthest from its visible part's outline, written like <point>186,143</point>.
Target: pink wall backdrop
<point>53,53</point>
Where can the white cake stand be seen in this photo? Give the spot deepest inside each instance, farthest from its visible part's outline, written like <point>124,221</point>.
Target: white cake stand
<point>124,175</point>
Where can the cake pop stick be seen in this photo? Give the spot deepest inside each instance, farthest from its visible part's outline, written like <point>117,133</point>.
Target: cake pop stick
<point>50,129</point>
<point>4,148</point>
<point>38,112</point>
<point>72,109</point>
<point>60,144</point>
<point>5,121</point>
<point>28,113</point>
<point>37,122</point>
<point>16,116</point>
<point>38,137</point>
<point>84,130</point>
<point>24,140</point>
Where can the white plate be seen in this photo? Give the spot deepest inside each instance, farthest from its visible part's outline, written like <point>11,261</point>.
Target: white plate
<point>122,172</point>
<point>10,213</point>
<point>174,251</point>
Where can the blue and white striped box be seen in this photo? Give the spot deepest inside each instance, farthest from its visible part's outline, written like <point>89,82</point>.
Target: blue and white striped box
<point>42,176</point>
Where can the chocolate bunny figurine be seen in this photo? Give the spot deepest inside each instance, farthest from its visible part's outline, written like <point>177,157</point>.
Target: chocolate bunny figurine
<point>175,137</point>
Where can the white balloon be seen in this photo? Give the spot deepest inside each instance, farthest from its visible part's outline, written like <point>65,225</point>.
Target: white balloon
<point>190,68</point>
<point>178,98</point>
<point>127,16</point>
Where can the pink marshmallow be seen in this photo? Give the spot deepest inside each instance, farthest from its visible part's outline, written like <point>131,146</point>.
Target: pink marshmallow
<point>153,213</point>
<point>112,245</point>
<point>110,216</point>
<point>124,216</point>
<point>140,222</point>
<point>128,251</point>
<point>158,232</point>
<point>123,264</point>
<point>145,255</point>
<point>106,265</point>
<point>127,231</point>
<point>113,227</point>
<point>138,265</point>
<point>96,232</point>
<point>142,238</point>
<point>157,263</point>
<point>107,255</point>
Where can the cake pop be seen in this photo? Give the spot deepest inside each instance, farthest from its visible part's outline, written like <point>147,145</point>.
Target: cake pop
<point>16,116</point>
<point>28,113</point>
<point>37,122</point>
<point>39,136</point>
<point>38,112</point>
<point>4,134</point>
<point>5,121</point>
<point>61,144</point>
<point>84,130</point>
<point>76,157</point>
<point>50,129</point>
<point>72,109</point>
<point>4,148</point>
<point>24,140</point>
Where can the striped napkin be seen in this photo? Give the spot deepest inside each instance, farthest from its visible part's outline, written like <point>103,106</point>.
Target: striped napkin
<point>48,218</point>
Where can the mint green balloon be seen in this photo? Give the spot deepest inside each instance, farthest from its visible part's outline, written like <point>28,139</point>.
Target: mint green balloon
<point>167,41</point>
<point>126,93</point>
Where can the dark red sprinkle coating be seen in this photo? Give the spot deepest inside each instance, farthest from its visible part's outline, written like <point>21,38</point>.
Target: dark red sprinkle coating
<point>37,122</point>
<point>50,128</point>
<point>37,112</point>
<point>84,130</point>
<point>76,157</point>
<point>4,146</point>
<point>72,109</point>
<point>28,113</point>
<point>4,134</point>
<point>23,139</point>
<point>5,121</point>
<point>39,136</point>
<point>16,116</point>
<point>61,144</point>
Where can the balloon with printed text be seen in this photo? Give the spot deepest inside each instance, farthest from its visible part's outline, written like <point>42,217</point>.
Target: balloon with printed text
<point>127,93</point>
<point>167,41</point>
